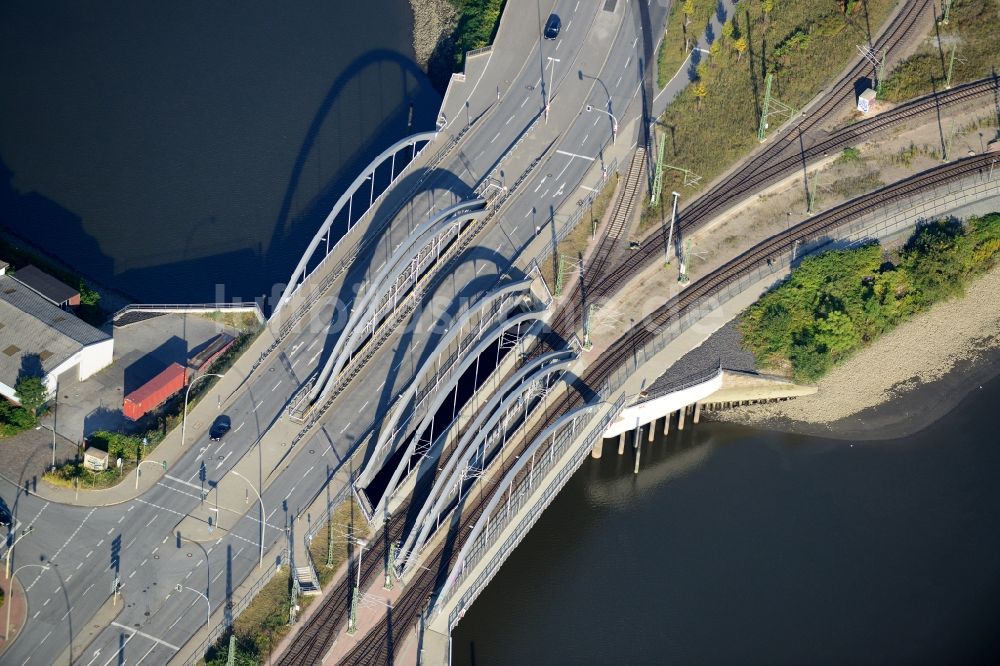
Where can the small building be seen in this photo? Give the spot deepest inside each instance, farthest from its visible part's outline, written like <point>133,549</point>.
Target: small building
<point>37,337</point>
<point>865,100</point>
<point>58,293</point>
<point>95,459</point>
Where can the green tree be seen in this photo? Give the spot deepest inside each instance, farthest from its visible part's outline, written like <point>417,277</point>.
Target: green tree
<point>727,30</point>
<point>31,393</point>
<point>700,91</point>
<point>714,49</point>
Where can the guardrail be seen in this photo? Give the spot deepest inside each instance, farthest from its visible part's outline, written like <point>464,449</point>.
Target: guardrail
<point>556,484</point>
<point>191,307</point>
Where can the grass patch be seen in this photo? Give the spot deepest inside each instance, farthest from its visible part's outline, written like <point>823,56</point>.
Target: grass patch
<point>346,520</point>
<point>842,300</point>
<point>678,38</point>
<point>241,321</point>
<point>259,627</point>
<point>804,44</point>
<point>576,241</point>
<point>972,30</point>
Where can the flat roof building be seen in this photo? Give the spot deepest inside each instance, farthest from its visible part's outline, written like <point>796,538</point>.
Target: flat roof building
<point>56,292</point>
<point>39,338</point>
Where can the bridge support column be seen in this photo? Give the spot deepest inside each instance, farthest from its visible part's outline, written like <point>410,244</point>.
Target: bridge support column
<point>666,424</point>
<point>680,418</point>
<point>638,453</point>
<point>598,449</point>
<point>621,444</point>
<point>652,431</point>
<point>697,412</point>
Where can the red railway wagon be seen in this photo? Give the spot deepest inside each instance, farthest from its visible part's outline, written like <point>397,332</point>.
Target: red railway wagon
<point>155,392</point>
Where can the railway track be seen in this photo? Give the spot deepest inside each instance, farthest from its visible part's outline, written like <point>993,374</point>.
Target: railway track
<point>377,645</point>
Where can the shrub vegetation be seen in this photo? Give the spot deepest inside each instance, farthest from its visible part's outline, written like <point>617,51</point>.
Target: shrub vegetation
<point>841,300</point>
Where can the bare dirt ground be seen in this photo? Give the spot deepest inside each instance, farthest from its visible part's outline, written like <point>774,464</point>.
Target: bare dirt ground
<point>894,156</point>
<point>918,352</point>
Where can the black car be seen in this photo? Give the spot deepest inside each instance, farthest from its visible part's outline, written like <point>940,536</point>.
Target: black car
<point>219,428</point>
<point>552,27</point>
<point>5,518</point>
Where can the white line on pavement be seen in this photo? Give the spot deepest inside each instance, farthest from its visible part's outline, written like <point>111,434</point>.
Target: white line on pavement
<point>524,102</point>
<point>628,60</point>
<point>364,405</point>
<point>314,358</point>
<point>145,635</point>
<point>145,655</point>
<point>495,138</point>
<point>345,427</point>
<point>585,139</point>
<point>309,348</point>
<point>174,478</point>
<point>239,426</point>
<point>276,386</point>
<point>582,157</point>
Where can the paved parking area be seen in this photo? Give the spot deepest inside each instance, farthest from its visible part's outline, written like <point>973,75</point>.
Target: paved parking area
<point>142,350</point>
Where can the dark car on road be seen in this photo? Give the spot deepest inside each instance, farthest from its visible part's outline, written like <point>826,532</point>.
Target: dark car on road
<point>552,27</point>
<point>219,428</point>
<point>5,518</point>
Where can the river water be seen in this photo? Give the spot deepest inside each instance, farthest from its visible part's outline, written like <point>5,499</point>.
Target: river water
<point>187,151</point>
<point>735,545</point>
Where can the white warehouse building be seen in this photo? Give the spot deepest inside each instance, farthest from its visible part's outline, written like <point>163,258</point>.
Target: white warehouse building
<point>37,337</point>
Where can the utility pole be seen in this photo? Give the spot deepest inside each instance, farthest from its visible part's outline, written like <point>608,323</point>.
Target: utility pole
<point>772,107</point>
<point>670,234</point>
<point>658,178</point>
<point>548,94</point>
<point>946,13</point>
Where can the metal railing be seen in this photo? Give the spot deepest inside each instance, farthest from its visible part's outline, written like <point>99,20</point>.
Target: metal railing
<point>190,307</point>
<point>537,507</point>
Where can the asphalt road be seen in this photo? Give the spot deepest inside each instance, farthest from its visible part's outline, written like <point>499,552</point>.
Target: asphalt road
<point>599,55</point>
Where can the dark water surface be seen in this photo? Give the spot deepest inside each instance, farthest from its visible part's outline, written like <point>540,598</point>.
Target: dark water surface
<point>166,147</point>
<point>736,546</point>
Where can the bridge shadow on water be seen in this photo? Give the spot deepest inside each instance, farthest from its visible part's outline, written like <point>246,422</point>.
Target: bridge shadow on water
<point>403,101</point>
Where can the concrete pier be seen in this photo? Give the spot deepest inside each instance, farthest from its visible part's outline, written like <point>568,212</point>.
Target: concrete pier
<point>651,432</point>
<point>598,449</point>
<point>621,444</point>
<point>680,418</point>
<point>697,412</point>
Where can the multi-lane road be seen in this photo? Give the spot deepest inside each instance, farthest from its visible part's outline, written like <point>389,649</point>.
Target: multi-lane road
<point>598,60</point>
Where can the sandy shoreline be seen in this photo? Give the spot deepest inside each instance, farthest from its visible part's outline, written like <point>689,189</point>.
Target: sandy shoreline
<point>924,367</point>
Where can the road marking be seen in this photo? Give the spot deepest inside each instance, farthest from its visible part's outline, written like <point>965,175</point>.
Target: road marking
<point>150,521</point>
<point>145,655</point>
<point>558,44</point>
<point>502,242</point>
<point>380,385</point>
<point>582,157</point>
<point>87,555</point>
<point>276,386</point>
<point>589,189</point>
<point>145,635</point>
<point>569,24</point>
<point>256,406</point>
<point>596,120</point>
<point>629,59</point>
<point>495,138</point>
<point>309,348</point>
<point>345,427</point>
<point>538,82</point>
<point>188,575</point>
<point>35,616</point>
<point>560,190</point>
<point>634,42</point>
<point>110,531</point>
<point>69,577</point>
<point>218,574</point>
<point>78,565</point>
<point>618,82</point>
<point>577,6</point>
<point>144,562</point>
<point>314,358</point>
<point>75,532</point>
<point>65,615</point>
<point>524,102</point>
<point>238,427</point>
<point>585,138</point>
<point>289,494</point>
<point>221,462</point>
<point>364,405</point>
<point>120,520</point>
<point>174,478</point>
<point>99,543</point>
<point>480,269</point>
<point>154,550</point>
<point>543,195</point>
<point>508,120</point>
<point>46,602</point>
<point>541,183</point>
<point>131,574</point>
<point>130,508</point>
<point>88,589</point>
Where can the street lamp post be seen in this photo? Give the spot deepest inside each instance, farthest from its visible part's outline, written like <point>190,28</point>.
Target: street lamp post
<point>10,549</point>
<point>141,463</point>
<point>263,514</point>
<point>186,394</point>
<point>548,95</point>
<point>614,121</point>
<point>208,609</point>
<point>352,624</point>
<point>10,587</point>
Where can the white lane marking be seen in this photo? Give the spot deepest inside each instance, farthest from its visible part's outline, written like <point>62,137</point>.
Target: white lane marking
<point>256,406</point>
<point>46,602</point>
<point>524,102</point>
<point>145,655</point>
<point>529,213</point>
<point>585,139</point>
<point>508,120</point>
<point>220,463</point>
<point>380,385</point>
<point>538,82</point>
<point>296,362</point>
<point>314,358</point>
<point>144,562</point>
<point>560,190</point>
<point>618,82</point>
<point>589,189</point>
<point>547,190</point>
<point>99,543</point>
<point>309,348</point>
<point>634,42</point>
<point>145,635</point>
<point>131,574</point>
<point>558,44</point>
<point>276,386</point>
<point>541,183</point>
<point>582,157</point>
<point>174,478</point>
<point>495,138</point>
<point>218,574</point>
<point>502,242</point>
<point>130,508</point>
<point>110,531</point>
<point>364,405</point>
<point>78,565</point>
<point>73,535</point>
<point>577,6</point>
<point>150,521</point>
<point>345,427</point>
<point>88,554</point>
<point>480,269</point>
<point>238,427</point>
<point>568,24</point>
<point>88,589</point>
<point>596,120</point>
<point>514,229</point>
<point>121,519</point>
<point>628,60</point>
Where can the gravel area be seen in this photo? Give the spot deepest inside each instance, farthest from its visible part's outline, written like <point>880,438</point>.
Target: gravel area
<point>722,347</point>
<point>921,351</point>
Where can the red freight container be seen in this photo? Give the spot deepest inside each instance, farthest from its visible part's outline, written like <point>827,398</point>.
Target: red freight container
<point>154,393</point>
